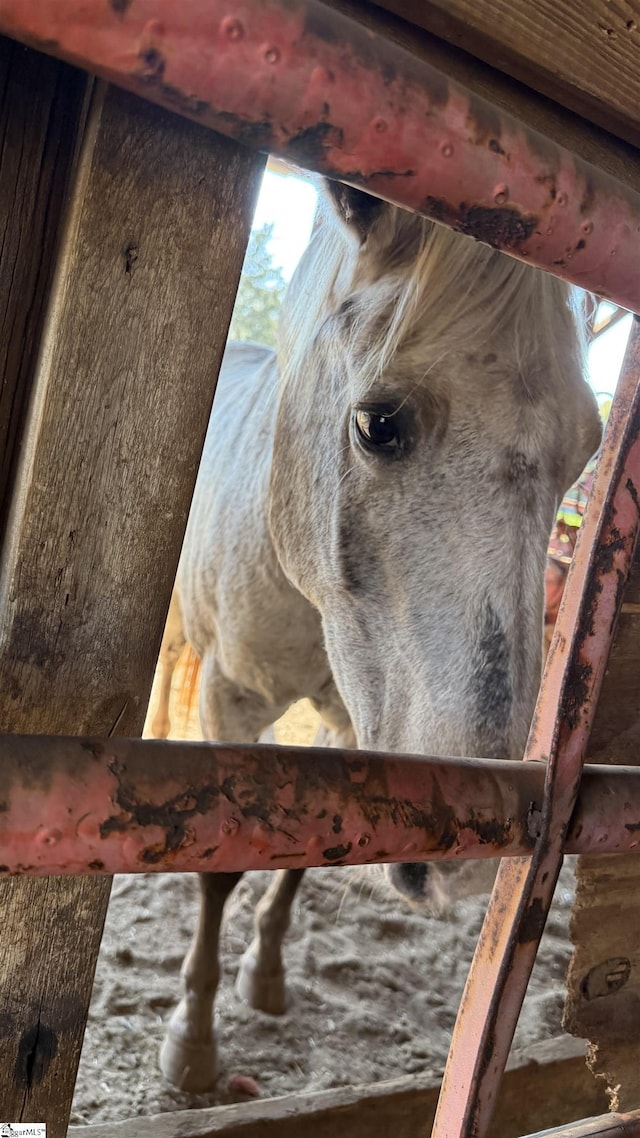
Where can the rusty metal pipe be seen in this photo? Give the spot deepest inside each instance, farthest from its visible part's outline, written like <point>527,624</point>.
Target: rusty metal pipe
<point>311,84</point>
<point>559,736</point>
<point>125,806</point>
<point>604,1126</point>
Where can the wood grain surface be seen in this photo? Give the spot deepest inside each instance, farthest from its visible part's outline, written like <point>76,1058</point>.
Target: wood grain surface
<point>147,270</point>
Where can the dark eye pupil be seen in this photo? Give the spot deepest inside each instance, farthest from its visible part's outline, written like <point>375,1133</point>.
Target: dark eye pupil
<point>379,430</point>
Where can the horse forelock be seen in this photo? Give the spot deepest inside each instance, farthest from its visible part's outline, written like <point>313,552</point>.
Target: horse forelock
<point>417,291</point>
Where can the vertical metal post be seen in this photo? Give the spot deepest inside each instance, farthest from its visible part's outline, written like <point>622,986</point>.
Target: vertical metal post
<point>523,892</point>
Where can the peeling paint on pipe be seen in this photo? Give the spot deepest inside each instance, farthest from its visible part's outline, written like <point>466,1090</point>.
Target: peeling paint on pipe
<point>126,806</point>
<point>312,85</point>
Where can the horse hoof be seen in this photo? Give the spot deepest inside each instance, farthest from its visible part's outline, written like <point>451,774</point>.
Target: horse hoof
<point>191,1067</point>
<point>262,992</point>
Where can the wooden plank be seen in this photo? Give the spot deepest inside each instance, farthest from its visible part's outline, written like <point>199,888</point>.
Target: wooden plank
<point>603,1000</point>
<point>603,996</point>
<point>155,236</point>
<point>552,120</point>
<point>583,55</point>
<point>42,104</point>
<point>546,1085</point>
<point>616,731</point>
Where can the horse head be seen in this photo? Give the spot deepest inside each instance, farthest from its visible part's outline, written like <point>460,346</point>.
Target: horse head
<point>433,409</point>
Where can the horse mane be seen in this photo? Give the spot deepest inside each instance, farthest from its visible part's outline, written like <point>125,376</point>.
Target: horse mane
<point>417,286</point>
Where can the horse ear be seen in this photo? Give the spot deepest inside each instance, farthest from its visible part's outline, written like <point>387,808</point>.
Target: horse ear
<point>357,210</point>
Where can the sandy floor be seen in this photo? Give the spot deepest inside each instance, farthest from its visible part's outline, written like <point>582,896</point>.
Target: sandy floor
<point>373,985</point>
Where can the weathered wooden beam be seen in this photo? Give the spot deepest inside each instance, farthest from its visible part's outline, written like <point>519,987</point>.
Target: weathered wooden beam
<point>155,233</point>
<point>583,55</point>
<point>608,322</point>
<point>42,106</point>
<point>546,1085</point>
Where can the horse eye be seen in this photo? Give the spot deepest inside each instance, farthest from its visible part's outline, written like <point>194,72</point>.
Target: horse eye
<point>377,430</point>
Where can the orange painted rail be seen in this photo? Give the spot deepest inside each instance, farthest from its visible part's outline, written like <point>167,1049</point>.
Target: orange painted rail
<point>130,805</point>
<point>308,83</point>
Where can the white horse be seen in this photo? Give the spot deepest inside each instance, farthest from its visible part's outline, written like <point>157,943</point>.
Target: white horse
<point>347,536</point>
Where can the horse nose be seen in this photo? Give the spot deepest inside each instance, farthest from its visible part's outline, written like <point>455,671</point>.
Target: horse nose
<point>410,879</point>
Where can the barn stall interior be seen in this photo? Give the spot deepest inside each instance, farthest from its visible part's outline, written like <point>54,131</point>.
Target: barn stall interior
<point>107,293</point>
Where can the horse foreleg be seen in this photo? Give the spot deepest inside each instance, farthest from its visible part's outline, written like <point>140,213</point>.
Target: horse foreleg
<point>335,729</point>
<point>188,1053</point>
<point>344,739</point>
<point>260,978</point>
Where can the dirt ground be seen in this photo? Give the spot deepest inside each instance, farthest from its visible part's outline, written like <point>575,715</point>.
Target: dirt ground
<point>373,985</point>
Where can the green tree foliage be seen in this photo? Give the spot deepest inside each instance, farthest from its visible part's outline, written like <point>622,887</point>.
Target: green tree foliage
<point>262,286</point>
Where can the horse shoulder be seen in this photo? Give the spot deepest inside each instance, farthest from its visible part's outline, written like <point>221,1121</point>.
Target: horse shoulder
<point>232,589</point>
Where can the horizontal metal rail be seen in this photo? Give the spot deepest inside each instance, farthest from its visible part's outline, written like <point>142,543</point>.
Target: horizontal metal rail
<point>73,805</point>
<point>604,1126</point>
<point>311,84</point>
